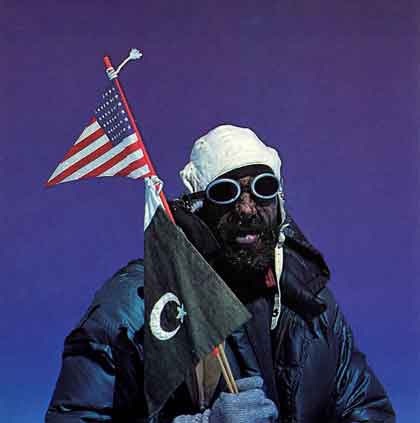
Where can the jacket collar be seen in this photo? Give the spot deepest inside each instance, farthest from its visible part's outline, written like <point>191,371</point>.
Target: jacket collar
<point>305,274</point>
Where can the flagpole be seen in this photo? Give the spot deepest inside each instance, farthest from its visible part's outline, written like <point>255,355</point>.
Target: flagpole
<point>225,363</point>
<point>109,69</point>
<point>113,76</point>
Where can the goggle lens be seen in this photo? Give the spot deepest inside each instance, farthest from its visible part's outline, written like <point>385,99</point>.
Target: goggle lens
<point>223,191</point>
<point>265,186</point>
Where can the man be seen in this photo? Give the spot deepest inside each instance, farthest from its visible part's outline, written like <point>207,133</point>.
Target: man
<point>295,360</point>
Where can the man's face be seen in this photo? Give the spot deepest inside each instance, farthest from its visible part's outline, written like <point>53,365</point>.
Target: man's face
<point>245,229</point>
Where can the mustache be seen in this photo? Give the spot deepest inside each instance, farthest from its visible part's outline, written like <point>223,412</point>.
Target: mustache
<point>240,228</point>
<point>248,229</point>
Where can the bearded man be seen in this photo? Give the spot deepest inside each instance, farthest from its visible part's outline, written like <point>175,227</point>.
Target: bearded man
<point>294,361</point>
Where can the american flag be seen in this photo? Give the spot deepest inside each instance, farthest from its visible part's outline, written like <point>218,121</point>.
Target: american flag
<point>109,146</point>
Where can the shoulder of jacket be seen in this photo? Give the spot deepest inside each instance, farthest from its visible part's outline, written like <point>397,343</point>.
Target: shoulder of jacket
<point>328,297</point>
<point>333,315</point>
<point>118,303</point>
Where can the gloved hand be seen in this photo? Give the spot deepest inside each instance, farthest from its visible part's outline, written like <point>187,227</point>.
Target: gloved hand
<point>249,406</point>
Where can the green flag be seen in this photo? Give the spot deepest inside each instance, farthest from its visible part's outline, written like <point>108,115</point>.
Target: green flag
<point>189,310</point>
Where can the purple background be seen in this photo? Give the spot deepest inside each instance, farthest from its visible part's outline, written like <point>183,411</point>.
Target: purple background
<point>332,84</point>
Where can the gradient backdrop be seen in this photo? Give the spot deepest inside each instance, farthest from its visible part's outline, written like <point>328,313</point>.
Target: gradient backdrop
<point>332,84</point>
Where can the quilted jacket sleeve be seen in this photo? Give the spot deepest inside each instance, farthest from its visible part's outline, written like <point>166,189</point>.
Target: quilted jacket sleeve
<point>102,370</point>
<point>360,396</point>
<point>85,386</point>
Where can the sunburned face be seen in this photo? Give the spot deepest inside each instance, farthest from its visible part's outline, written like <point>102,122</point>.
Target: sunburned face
<point>245,229</point>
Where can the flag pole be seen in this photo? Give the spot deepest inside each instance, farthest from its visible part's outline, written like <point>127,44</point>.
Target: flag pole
<point>225,363</point>
<point>113,76</point>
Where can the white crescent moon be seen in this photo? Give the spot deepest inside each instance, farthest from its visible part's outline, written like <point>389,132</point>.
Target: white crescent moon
<point>155,325</point>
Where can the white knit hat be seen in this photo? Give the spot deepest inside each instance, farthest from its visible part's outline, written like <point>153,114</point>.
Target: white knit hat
<point>223,149</point>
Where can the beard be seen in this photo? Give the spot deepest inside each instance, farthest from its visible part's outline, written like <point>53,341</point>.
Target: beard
<point>244,268</point>
<point>254,260</point>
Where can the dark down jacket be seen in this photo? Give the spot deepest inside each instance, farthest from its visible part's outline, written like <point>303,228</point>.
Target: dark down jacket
<point>312,369</point>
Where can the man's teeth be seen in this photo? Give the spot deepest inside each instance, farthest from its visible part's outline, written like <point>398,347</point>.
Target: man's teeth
<point>247,239</point>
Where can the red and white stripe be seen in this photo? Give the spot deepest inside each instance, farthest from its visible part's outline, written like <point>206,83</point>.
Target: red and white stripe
<point>93,155</point>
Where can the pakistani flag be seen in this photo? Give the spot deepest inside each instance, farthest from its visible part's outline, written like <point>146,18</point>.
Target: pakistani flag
<point>188,308</point>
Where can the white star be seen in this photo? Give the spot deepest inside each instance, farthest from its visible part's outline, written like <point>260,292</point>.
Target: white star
<point>181,313</point>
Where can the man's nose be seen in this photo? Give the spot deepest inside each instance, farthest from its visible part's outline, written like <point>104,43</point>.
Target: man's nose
<point>245,205</point>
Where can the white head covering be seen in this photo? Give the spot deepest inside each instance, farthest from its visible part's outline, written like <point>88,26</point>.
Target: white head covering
<point>223,149</point>
<point>226,148</point>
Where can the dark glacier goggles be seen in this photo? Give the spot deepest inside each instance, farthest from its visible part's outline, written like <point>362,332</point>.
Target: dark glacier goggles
<point>226,191</point>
